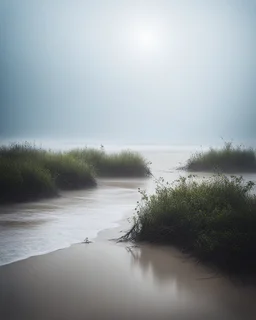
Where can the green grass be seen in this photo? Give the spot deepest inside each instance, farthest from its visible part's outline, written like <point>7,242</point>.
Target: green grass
<point>214,219</point>
<point>123,164</point>
<point>28,172</point>
<point>69,173</point>
<point>24,180</point>
<point>228,159</point>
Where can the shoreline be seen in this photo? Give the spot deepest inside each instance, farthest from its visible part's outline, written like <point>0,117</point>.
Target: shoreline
<point>104,235</point>
<point>127,281</point>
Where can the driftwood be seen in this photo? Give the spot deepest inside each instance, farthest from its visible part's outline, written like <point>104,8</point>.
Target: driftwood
<point>129,236</point>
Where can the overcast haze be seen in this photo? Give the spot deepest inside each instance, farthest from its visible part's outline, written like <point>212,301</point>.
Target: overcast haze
<point>138,71</point>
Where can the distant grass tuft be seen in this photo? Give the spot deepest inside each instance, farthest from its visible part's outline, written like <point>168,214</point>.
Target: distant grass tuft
<point>214,219</point>
<point>228,159</point>
<point>123,164</point>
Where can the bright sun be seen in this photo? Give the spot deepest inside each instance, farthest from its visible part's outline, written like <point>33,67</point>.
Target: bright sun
<point>145,40</point>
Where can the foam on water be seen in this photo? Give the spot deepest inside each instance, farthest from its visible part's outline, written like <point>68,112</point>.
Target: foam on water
<point>37,228</point>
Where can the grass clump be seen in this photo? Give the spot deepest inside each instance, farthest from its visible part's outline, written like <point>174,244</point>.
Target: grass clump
<point>215,219</point>
<point>24,181</point>
<point>29,173</point>
<point>69,173</point>
<point>123,164</point>
<point>228,159</point>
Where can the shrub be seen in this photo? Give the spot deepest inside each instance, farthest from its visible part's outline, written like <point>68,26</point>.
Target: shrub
<point>214,219</point>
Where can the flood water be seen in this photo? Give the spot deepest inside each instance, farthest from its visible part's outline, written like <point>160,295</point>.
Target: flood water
<point>35,228</point>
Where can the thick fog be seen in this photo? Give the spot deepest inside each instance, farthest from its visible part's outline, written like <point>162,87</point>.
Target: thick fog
<point>158,71</point>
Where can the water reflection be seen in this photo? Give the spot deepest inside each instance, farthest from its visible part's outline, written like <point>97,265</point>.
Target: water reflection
<point>192,282</point>
<point>166,263</point>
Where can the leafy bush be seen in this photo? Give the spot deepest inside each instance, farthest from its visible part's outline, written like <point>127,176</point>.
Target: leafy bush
<point>215,219</point>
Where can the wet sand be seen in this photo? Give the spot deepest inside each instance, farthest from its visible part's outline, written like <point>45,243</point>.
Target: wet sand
<point>105,280</point>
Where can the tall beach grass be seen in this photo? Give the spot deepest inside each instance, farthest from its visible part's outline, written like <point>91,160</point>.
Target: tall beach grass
<point>28,172</point>
<point>24,181</point>
<point>122,164</point>
<point>229,159</point>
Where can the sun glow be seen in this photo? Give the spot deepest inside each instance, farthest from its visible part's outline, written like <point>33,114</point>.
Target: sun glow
<point>146,40</point>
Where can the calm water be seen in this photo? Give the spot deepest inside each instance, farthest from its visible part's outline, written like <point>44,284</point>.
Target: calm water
<point>106,281</point>
<point>36,228</point>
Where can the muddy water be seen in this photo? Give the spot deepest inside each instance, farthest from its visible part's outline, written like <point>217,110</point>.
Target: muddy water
<point>109,281</point>
<point>35,228</point>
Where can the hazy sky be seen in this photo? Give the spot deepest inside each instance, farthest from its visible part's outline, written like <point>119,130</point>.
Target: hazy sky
<point>160,71</point>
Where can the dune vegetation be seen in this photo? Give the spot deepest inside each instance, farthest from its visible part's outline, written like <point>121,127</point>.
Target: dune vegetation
<point>229,159</point>
<point>29,173</point>
<point>123,164</point>
<point>214,219</point>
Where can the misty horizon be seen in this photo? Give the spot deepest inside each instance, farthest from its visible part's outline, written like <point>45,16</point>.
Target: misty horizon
<point>159,72</point>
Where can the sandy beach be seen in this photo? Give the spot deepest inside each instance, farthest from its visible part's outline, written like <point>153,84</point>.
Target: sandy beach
<point>105,280</point>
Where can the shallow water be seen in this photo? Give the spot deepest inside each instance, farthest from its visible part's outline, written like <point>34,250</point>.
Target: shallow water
<point>109,281</point>
<point>34,228</point>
